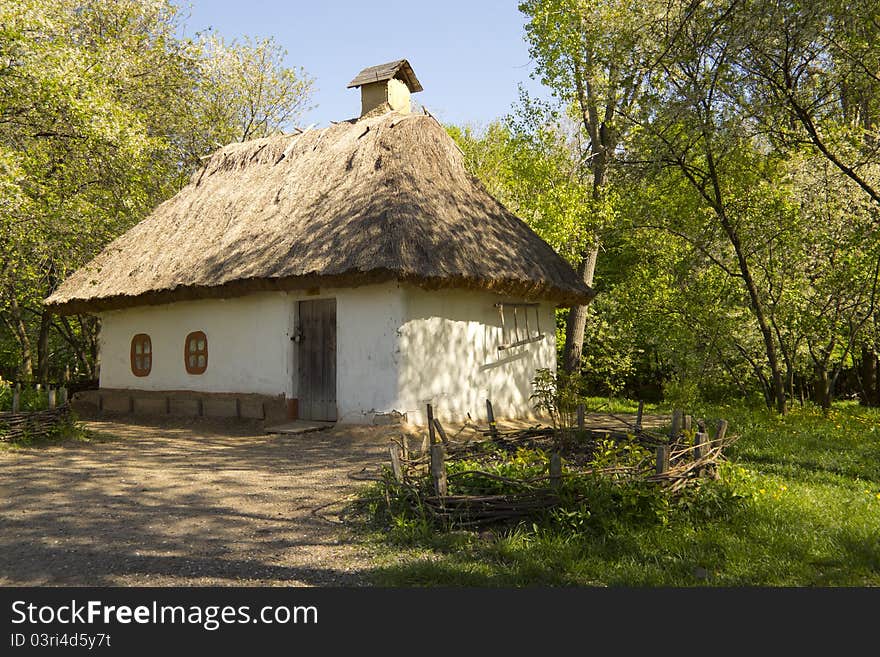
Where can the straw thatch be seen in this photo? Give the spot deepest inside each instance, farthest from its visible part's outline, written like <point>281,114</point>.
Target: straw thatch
<point>378,199</point>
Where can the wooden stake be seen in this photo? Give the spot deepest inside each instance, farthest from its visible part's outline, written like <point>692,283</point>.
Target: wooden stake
<point>438,469</point>
<point>662,459</point>
<point>676,425</point>
<point>426,445</point>
<point>700,440</point>
<point>688,421</point>
<point>404,447</point>
<point>555,470</point>
<point>395,463</point>
<point>441,431</point>
<point>431,439</point>
<point>490,415</point>
<point>580,417</point>
<point>722,430</point>
<point>639,417</point>
<point>51,398</point>
<point>16,398</point>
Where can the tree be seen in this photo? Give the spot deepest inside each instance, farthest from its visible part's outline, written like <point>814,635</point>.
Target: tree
<point>594,56</point>
<point>104,111</point>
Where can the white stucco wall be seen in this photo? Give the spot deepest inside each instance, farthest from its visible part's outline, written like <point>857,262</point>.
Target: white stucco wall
<point>368,350</point>
<point>398,348</point>
<point>250,350</point>
<point>449,344</point>
<point>249,346</point>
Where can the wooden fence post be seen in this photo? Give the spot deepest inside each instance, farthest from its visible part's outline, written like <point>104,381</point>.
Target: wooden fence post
<point>722,430</point>
<point>580,417</point>
<point>490,416</point>
<point>441,431</point>
<point>688,422</point>
<point>639,415</point>
<point>662,459</point>
<point>555,470</point>
<point>16,398</point>
<point>700,439</point>
<point>676,425</point>
<point>51,398</point>
<point>426,445</point>
<point>431,438</point>
<point>395,463</point>
<point>438,469</point>
<point>404,447</point>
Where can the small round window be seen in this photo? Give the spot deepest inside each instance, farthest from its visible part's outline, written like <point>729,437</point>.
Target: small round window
<point>141,355</point>
<point>195,353</point>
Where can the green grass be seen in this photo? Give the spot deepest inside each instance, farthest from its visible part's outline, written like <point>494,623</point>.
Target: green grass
<point>618,405</point>
<point>799,505</point>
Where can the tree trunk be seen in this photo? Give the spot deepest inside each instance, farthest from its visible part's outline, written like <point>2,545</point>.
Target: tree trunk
<point>26,364</point>
<point>576,324</point>
<point>870,390</point>
<point>43,347</point>
<point>755,299</point>
<point>823,387</point>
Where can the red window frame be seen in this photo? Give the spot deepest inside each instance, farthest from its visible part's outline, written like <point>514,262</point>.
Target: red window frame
<point>141,355</point>
<point>195,352</point>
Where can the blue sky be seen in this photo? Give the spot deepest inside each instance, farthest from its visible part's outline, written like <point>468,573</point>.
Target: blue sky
<point>469,56</point>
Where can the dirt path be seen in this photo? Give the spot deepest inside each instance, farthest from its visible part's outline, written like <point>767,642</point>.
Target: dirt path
<point>187,504</point>
<point>191,504</point>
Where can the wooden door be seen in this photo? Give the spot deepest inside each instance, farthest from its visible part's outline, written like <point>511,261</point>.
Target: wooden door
<point>317,360</point>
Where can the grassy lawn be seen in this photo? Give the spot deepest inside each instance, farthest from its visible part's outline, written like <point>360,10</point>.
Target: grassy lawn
<point>797,505</point>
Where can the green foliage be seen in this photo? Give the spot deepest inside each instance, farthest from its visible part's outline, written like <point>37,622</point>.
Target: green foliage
<point>557,394</point>
<point>104,112</point>
<point>523,465</point>
<point>30,398</point>
<point>798,505</point>
<point>627,453</point>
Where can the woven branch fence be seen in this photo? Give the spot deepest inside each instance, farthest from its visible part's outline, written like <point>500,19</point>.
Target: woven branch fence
<point>38,424</point>
<point>682,457</point>
<point>18,424</point>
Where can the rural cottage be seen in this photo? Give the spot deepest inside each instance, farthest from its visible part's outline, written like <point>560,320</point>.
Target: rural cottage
<point>333,274</point>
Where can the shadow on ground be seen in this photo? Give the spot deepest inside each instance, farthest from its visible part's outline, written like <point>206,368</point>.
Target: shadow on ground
<point>194,503</point>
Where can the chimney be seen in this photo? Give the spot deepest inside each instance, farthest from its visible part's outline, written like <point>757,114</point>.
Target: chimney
<point>386,85</point>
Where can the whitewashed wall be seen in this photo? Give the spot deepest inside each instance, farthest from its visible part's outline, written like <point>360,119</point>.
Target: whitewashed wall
<point>250,350</point>
<point>398,347</point>
<point>248,345</point>
<point>368,351</point>
<point>449,344</point>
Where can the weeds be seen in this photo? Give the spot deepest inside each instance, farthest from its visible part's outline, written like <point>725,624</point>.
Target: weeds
<point>797,505</point>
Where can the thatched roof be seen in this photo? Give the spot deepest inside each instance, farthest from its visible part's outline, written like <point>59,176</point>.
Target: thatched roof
<point>378,199</point>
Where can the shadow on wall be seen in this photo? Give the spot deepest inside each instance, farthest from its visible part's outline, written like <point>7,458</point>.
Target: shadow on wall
<point>450,358</point>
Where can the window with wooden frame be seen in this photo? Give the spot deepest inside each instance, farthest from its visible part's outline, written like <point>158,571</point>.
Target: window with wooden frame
<point>520,324</point>
<point>141,355</point>
<point>195,353</point>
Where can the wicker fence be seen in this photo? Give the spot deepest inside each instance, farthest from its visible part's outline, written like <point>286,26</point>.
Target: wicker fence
<point>18,425</point>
